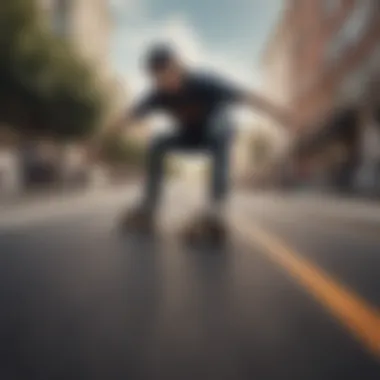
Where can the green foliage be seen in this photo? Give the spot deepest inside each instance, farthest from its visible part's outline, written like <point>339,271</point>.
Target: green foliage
<point>45,87</point>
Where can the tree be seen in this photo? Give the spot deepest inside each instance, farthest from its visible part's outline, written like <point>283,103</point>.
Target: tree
<point>46,88</point>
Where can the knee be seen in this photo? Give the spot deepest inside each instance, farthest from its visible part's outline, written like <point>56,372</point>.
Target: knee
<point>222,142</point>
<point>222,136</point>
<point>221,122</point>
<point>158,146</point>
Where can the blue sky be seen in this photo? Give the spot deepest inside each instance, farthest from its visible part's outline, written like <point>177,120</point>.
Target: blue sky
<point>226,35</point>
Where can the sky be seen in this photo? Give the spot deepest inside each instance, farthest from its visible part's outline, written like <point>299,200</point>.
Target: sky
<point>225,35</point>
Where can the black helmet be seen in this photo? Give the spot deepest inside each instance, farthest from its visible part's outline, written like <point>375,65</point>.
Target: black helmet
<point>159,56</point>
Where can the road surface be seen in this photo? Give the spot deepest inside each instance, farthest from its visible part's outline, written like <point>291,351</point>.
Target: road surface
<point>295,295</point>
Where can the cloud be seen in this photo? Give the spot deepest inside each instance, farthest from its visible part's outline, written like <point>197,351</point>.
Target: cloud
<point>130,41</point>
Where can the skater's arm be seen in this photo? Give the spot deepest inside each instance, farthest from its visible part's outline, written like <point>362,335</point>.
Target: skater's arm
<point>233,93</point>
<point>129,118</point>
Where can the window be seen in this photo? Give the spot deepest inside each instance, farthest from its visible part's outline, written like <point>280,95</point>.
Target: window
<point>356,82</point>
<point>331,6</point>
<point>45,5</point>
<point>60,16</point>
<point>352,31</point>
<point>357,23</point>
<point>336,47</point>
<point>353,85</point>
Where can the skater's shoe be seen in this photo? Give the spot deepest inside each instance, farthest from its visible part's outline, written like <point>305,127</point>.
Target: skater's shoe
<point>139,219</point>
<point>213,224</point>
<point>209,226</point>
<point>214,216</point>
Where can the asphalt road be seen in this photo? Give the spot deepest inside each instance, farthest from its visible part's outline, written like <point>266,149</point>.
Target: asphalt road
<point>294,295</point>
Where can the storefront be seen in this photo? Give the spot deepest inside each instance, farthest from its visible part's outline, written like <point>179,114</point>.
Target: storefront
<point>367,180</point>
<point>328,157</point>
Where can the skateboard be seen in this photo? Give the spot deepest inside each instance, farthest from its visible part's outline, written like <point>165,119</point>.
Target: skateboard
<point>133,223</point>
<point>205,230</point>
<point>200,230</point>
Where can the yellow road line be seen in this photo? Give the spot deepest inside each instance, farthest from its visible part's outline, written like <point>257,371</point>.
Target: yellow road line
<point>362,320</point>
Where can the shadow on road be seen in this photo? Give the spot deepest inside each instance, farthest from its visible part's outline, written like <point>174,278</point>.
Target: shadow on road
<point>140,302</point>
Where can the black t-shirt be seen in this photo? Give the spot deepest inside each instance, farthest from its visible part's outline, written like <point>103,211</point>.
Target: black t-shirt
<point>200,96</point>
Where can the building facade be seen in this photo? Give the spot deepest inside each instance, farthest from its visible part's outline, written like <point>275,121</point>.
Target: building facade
<point>276,67</point>
<point>334,72</point>
<point>85,23</point>
<point>277,62</point>
<point>335,54</point>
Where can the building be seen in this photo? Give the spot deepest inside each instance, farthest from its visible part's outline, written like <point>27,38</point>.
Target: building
<point>276,63</point>
<point>334,68</point>
<point>276,66</point>
<point>85,23</point>
<point>335,53</point>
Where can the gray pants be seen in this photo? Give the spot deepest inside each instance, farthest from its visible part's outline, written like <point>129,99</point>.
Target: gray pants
<point>216,141</point>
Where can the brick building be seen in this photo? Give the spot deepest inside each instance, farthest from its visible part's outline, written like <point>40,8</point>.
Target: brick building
<point>277,63</point>
<point>276,66</point>
<point>335,50</point>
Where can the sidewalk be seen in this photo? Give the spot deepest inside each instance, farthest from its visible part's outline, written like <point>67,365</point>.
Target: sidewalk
<point>334,206</point>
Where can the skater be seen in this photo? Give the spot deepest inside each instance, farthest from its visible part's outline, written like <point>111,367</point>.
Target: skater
<point>198,103</point>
